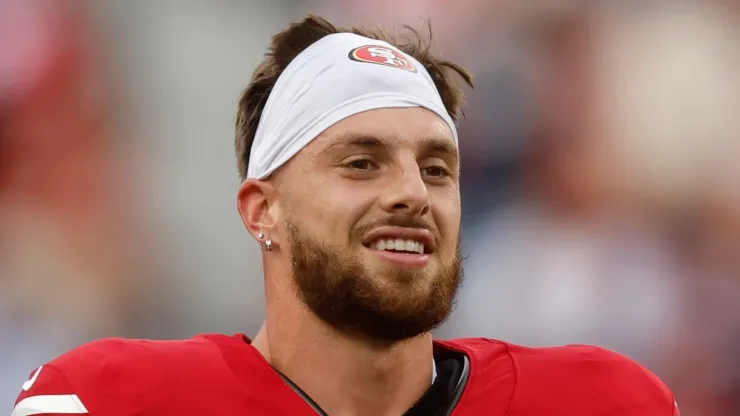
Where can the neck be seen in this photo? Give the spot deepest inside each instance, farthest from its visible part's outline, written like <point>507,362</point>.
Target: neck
<point>357,376</point>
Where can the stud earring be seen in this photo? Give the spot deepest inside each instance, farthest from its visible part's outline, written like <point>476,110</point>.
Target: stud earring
<point>260,236</point>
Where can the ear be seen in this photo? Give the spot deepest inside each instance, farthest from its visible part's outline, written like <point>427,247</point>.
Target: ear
<point>254,202</point>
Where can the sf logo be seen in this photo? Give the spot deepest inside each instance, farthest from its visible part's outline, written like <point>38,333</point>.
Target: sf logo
<point>381,55</point>
<point>387,55</point>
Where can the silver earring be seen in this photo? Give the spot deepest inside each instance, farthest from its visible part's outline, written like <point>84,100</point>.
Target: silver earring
<point>260,236</point>
<point>268,245</point>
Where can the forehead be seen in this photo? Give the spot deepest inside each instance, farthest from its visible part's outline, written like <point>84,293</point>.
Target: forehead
<point>413,127</point>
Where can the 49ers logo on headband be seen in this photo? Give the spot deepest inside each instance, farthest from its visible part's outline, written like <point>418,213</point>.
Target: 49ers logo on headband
<point>382,55</point>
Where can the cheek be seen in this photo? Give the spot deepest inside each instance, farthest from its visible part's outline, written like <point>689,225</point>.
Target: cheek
<point>447,213</point>
<point>332,211</point>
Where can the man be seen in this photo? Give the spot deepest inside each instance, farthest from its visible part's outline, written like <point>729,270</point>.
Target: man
<point>348,150</point>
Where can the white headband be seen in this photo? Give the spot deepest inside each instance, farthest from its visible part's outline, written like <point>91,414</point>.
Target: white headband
<point>340,75</point>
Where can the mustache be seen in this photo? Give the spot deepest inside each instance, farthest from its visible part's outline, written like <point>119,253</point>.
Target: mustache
<point>398,221</point>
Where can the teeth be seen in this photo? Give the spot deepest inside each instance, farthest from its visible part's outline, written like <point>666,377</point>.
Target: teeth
<point>410,246</point>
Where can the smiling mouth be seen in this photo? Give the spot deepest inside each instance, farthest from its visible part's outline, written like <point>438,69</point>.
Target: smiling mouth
<point>397,245</point>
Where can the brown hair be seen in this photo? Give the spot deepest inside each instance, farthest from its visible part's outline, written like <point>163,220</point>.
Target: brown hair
<point>287,44</point>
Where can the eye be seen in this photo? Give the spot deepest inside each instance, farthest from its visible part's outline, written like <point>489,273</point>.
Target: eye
<point>435,172</point>
<point>362,164</point>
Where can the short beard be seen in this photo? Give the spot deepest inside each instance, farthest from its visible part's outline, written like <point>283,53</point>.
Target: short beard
<point>342,292</point>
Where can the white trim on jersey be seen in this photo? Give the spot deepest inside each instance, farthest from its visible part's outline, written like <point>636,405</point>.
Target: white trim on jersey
<point>68,404</point>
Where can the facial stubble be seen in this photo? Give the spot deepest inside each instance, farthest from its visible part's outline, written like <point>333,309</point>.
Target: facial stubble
<point>341,291</point>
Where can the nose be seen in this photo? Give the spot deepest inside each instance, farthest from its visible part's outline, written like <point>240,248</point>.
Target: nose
<point>407,193</point>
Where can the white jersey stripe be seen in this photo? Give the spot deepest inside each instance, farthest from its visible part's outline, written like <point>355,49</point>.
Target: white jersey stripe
<point>68,404</point>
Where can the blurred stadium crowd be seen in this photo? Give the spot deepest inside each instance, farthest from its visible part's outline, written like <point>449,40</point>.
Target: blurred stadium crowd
<point>601,182</point>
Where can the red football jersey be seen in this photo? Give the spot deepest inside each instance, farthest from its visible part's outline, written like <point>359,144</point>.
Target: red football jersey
<point>224,375</point>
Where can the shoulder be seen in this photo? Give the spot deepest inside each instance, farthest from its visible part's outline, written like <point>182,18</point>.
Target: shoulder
<point>116,356</point>
<point>588,379</point>
<point>581,378</point>
<point>95,375</point>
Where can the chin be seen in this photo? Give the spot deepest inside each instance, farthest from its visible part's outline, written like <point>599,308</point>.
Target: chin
<point>404,276</point>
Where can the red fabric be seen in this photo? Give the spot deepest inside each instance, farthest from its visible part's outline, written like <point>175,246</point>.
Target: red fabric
<point>574,380</point>
<point>224,375</point>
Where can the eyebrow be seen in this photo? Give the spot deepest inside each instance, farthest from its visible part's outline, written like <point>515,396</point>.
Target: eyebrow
<point>439,146</point>
<point>429,145</point>
<point>358,140</point>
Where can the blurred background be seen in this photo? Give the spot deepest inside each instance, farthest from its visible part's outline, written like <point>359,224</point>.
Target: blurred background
<point>601,185</point>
